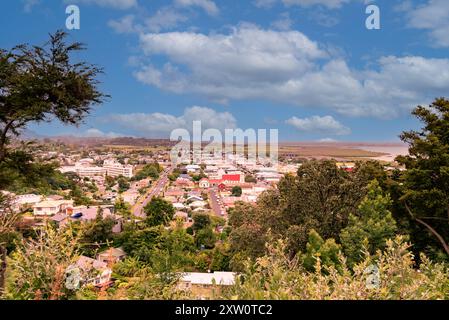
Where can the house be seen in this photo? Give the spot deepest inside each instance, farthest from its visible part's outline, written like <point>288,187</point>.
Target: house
<point>174,192</point>
<point>194,198</point>
<point>198,204</point>
<point>192,168</point>
<point>184,180</point>
<point>93,272</point>
<point>112,256</point>
<point>51,207</point>
<point>228,180</point>
<point>206,285</point>
<point>25,201</point>
<point>178,206</point>
<point>204,183</point>
<point>86,214</point>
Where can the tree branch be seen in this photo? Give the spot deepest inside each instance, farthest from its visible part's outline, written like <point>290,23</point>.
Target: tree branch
<point>3,138</point>
<point>432,230</point>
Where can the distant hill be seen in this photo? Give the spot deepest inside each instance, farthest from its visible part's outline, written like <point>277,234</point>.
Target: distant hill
<point>101,141</point>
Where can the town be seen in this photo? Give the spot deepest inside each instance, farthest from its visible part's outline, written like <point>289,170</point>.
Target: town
<point>120,183</point>
<point>189,150</point>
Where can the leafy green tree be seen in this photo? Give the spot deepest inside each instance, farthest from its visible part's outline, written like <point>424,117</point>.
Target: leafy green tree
<point>174,252</point>
<point>198,177</point>
<point>139,243</point>
<point>371,227</point>
<point>159,212</point>
<point>205,237</point>
<point>39,84</point>
<point>122,208</point>
<point>320,197</point>
<point>151,170</point>
<point>201,221</point>
<point>426,181</point>
<point>276,276</point>
<point>326,251</point>
<point>221,258</point>
<point>8,220</point>
<point>123,184</point>
<point>97,233</point>
<point>237,191</point>
<point>79,197</point>
<point>248,235</point>
<point>175,174</point>
<point>38,267</point>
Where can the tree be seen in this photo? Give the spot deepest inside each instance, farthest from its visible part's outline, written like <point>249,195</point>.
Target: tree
<point>320,197</point>
<point>159,212</point>
<point>39,265</point>
<point>201,221</point>
<point>151,170</point>
<point>371,227</point>
<point>426,181</point>
<point>96,233</point>
<point>205,237</point>
<point>221,258</point>
<point>8,220</point>
<point>39,84</point>
<point>326,251</point>
<point>250,179</point>
<point>123,184</point>
<point>276,276</point>
<point>237,191</point>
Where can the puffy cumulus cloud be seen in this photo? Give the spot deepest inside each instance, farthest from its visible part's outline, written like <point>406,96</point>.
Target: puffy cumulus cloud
<point>288,67</point>
<point>207,5</point>
<point>161,124</point>
<point>326,125</point>
<point>165,18</point>
<point>432,16</point>
<point>116,4</point>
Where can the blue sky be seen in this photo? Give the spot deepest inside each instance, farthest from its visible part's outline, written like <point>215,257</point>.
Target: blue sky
<point>309,68</point>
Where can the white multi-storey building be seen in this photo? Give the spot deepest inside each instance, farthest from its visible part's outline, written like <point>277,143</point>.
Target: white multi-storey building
<point>83,171</point>
<point>115,169</point>
<point>110,168</point>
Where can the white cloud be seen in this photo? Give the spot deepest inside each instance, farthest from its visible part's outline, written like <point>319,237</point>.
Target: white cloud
<point>331,4</point>
<point>288,67</point>
<point>432,16</point>
<point>164,18</point>
<point>161,124</point>
<point>116,4</point>
<point>123,25</point>
<point>323,125</point>
<point>266,4</point>
<point>207,5</point>
<point>284,22</point>
<point>327,140</point>
<point>29,5</point>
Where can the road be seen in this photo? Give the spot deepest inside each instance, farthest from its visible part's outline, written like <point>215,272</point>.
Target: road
<point>216,203</point>
<point>154,191</point>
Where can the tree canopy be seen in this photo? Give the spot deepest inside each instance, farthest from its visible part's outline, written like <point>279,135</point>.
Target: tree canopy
<point>426,181</point>
<point>43,83</point>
